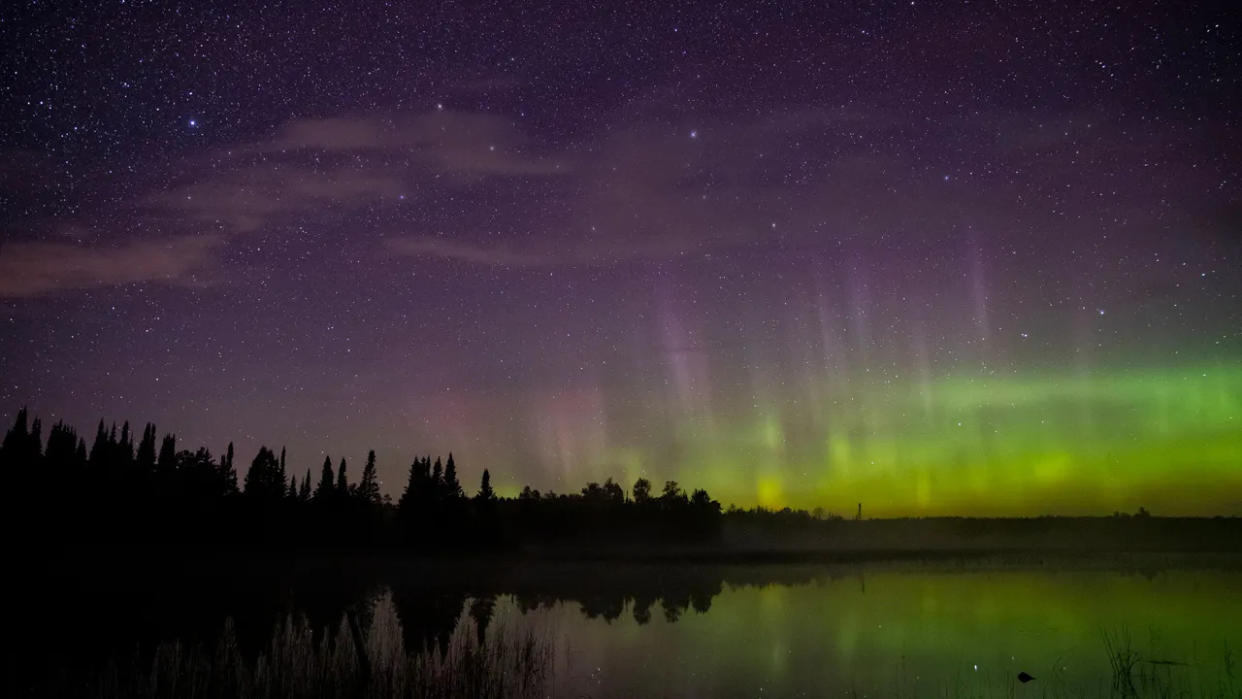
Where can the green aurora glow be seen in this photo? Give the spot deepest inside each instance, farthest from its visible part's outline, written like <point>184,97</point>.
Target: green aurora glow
<point>1167,439</point>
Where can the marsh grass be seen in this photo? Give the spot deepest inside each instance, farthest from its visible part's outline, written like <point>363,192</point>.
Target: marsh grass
<point>1128,673</point>
<point>298,663</point>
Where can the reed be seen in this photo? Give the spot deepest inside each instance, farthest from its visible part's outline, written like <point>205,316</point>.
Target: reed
<point>298,663</point>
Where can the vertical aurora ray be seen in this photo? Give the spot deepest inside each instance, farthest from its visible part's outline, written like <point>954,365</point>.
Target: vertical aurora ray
<point>1167,439</point>
<point>831,270</point>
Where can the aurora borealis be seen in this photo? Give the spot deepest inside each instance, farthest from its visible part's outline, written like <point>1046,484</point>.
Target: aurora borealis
<point>933,258</point>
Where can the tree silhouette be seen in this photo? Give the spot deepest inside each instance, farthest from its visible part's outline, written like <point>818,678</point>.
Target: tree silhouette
<point>642,490</point>
<point>592,492</point>
<point>61,452</point>
<point>125,447</point>
<point>228,474</point>
<point>15,440</point>
<point>145,458</point>
<point>368,485</point>
<point>613,492</point>
<point>304,493</point>
<point>167,460</point>
<point>99,449</point>
<point>452,487</point>
<point>264,480</point>
<point>325,490</point>
<point>342,482</point>
<point>116,496</point>
<point>673,493</point>
<point>406,504</point>
<point>486,494</point>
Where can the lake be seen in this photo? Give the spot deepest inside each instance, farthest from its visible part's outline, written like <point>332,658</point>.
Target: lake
<point>1111,626</point>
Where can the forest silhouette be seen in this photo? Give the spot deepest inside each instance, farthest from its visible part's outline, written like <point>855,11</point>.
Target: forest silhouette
<point>141,493</point>
<point>119,493</point>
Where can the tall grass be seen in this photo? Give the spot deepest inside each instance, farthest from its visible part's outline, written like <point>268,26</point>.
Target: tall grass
<point>1143,675</point>
<point>1127,673</point>
<point>297,663</point>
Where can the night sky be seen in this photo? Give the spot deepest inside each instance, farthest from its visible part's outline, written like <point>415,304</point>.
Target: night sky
<point>931,257</point>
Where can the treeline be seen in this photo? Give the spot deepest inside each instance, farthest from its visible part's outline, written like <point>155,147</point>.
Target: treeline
<point>141,492</point>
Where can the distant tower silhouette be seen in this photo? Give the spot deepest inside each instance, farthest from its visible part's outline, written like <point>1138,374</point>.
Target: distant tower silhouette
<point>858,516</point>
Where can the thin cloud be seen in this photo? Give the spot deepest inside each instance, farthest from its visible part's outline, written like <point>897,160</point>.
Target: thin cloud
<point>349,162</point>
<point>445,249</point>
<point>244,201</point>
<point>29,269</point>
<point>447,141</point>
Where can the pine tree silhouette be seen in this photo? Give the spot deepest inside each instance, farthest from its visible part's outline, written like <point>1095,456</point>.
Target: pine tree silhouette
<point>125,447</point>
<point>16,440</point>
<point>342,483</point>
<point>325,489</point>
<point>304,493</point>
<point>145,459</point>
<point>368,486</point>
<point>486,494</point>
<point>167,460</point>
<point>452,487</point>
<point>99,450</point>
<point>228,474</point>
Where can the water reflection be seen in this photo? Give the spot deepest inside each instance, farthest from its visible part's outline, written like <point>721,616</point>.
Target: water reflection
<point>645,630</point>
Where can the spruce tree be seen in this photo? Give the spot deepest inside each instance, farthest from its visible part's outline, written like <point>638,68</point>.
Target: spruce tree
<point>168,454</point>
<point>304,493</point>
<point>406,504</point>
<point>125,447</point>
<point>59,455</point>
<point>146,449</point>
<point>485,488</point>
<point>325,489</point>
<point>228,474</point>
<point>34,441</point>
<point>342,483</point>
<point>368,486</point>
<point>15,440</point>
<point>452,487</point>
<point>99,450</point>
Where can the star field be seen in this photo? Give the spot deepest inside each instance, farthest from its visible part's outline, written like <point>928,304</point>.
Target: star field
<point>965,257</point>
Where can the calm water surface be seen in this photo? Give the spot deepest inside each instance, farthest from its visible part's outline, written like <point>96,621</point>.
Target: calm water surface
<point>949,628</point>
<point>908,632</point>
